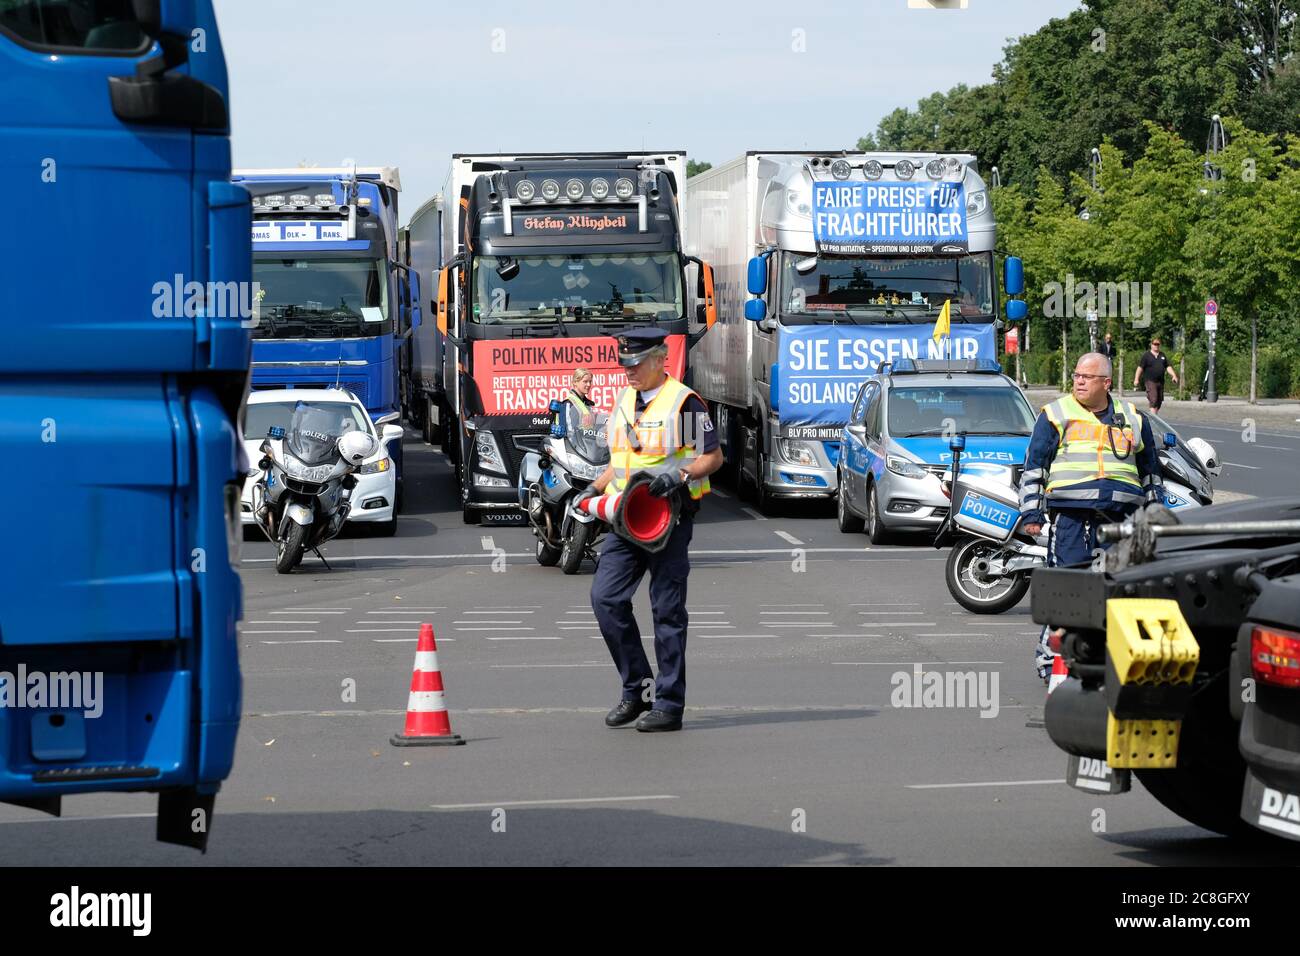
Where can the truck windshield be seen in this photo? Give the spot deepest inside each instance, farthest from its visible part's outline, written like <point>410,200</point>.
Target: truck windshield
<point>864,290</point>
<point>331,298</point>
<point>647,286</point>
<point>945,409</point>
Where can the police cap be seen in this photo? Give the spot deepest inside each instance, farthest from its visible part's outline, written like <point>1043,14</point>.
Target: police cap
<point>635,345</point>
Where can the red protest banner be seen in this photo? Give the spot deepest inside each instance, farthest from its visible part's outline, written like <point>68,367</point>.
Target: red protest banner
<point>521,376</point>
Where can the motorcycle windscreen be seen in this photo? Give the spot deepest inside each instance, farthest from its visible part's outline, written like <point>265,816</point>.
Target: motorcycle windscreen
<point>314,431</point>
<point>587,438</point>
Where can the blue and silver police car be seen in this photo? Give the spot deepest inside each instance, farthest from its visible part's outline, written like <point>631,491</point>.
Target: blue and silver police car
<point>895,446</point>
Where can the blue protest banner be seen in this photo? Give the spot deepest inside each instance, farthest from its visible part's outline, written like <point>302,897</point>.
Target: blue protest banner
<point>876,218</point>
<point>821,367</point>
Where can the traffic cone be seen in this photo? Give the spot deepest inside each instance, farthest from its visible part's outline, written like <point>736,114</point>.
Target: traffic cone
<point>427,722</point>
<point>1059,673</point>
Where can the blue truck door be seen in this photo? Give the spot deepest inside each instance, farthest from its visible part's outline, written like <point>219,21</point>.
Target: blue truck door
<point>118,389</point>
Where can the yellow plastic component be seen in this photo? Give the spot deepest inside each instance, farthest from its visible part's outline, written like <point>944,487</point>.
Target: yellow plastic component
<point>1142,743</point>
<point>1149,641</point>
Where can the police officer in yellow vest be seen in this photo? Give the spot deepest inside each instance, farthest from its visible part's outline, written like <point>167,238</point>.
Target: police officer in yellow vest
<point>1091,461</point>
<point>580,395</point>
<point>657,425</point>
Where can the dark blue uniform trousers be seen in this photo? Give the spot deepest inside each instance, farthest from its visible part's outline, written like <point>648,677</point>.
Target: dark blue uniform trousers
<point>618,575</point>
<point>1074,535</point>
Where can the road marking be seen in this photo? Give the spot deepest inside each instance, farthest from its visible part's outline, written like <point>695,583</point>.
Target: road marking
<point>282,621</point>
<point>548,803</point>
<point>906,663</point>
<point>1247,467</point>
<point>407,640</point>
<point>713,624</point>
<point>575,627</point>
<point>694,612</point>
<point>588,611</point>
<point>307,610</point>
<point>754,514</point>
<point>785,535</point>
<point>792,605</point>
<point>492,628</point>
<point>523,638</point>
<point>888,604</point>
<point>891,612</point>
<point>989,783</point>
<point>802,624</point>
<point>410,610</point>
<point>795,612</point>
<point>897,624</point>
<point>487,543</point>
<point>959,634</point>
<point>277,632</point>
<point>529,554</point>
<point>489,609</point>
<point>303,642</point>
<point>106,816</point>
<point>481,621</point>
<point>714,637</point>
<point>380,630</point>
<point>548,665</point>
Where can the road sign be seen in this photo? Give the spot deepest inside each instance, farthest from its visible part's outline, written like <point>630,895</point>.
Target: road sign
<point>1211,307</point>
<point>1211,322</point>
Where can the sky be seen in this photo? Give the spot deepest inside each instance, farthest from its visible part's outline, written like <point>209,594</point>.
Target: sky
<point>408,82</point>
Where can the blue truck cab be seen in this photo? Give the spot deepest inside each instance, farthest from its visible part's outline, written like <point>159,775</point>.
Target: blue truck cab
<point>335,300</point>
<point>122,376</point>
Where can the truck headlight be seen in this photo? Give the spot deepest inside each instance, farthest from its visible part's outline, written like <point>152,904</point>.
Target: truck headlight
<point>489,456</point>
<point>798,452</point>
<point>375,467</point>
<point>903,467</point>
<point>487,481</point>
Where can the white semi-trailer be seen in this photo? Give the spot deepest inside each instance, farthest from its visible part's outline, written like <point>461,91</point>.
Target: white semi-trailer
<point>850,259</point>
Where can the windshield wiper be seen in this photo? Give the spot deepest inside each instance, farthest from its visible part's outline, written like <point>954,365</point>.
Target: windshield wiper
<point>936,430</point>
<point>1019,434</point>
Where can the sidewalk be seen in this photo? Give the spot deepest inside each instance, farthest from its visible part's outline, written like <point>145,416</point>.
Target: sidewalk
<point>1228,410</point>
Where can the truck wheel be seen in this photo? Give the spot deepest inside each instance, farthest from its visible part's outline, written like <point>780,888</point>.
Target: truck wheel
<point>875,526</point>
<point>849,522</point>
<point>1205,787</point>
<point>763,501</point>
<point>575,548</point>
<point>426,425</point>
<point>978,594</point>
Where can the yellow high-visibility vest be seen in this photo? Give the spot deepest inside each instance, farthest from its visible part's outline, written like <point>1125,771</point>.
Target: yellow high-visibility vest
<point>587,416</point>
<point>640,442</point>
<point>1084,450</point>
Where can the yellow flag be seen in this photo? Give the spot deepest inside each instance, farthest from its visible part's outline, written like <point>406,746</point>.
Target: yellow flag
<point>944,325</point>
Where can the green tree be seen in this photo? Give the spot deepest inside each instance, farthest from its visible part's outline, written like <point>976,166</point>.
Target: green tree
<point>695,167</point>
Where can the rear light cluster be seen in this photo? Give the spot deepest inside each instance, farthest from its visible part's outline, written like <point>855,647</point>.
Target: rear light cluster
<point>1275,656</point>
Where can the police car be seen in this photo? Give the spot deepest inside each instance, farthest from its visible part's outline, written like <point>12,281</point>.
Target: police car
<point>895,446</point>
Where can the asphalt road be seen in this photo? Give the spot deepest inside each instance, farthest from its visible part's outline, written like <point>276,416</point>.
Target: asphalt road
<point>792,753</point>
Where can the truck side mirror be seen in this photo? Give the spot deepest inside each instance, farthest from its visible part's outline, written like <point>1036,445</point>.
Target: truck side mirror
<point>1017,309</point>
<point>755,310</point>
<point>444,278</point>
<point>708,310</point>
<point>1013,276</point>
<point>417,313</point>
<point>756,277</point>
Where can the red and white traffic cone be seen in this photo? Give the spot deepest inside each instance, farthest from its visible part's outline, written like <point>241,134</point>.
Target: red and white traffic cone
<point>1059,673</point>
<point>603,507</point>
<point>427,721</point>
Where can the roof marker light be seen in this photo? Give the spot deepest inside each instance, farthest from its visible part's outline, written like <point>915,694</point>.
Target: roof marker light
<point>525,190</point>
<point>550,190</point>
<point>599,188</point>
<point>575,189</point>
<point>624,189</point>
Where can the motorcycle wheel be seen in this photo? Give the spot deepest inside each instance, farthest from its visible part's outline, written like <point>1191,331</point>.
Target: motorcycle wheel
<point>981,595</point>
<point>575,548</point>
<point>289,547</point>
<point>547,556</point>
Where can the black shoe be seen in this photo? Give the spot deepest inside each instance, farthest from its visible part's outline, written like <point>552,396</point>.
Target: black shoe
<point>658,720</point>
<point>625,712</point>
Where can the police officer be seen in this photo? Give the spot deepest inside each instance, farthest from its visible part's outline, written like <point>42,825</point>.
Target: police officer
<point>661,426</point>
<point>580,395</point>
<point>1091,461</point>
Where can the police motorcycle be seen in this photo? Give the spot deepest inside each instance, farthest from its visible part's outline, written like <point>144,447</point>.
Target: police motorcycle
<point>572,456</point>
<point>303,496</point>
<point>992,557</point>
